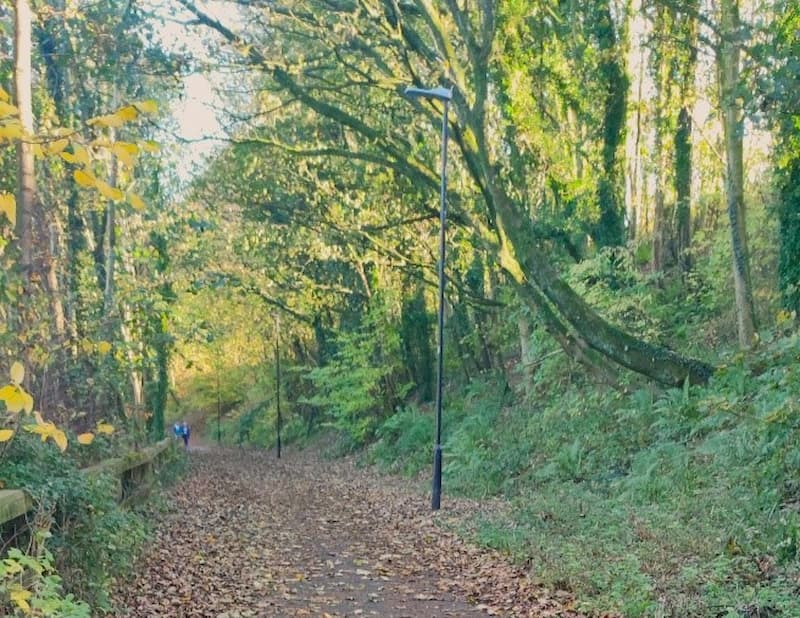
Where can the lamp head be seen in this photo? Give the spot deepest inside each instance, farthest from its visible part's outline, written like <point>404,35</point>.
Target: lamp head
<point>441,93</point>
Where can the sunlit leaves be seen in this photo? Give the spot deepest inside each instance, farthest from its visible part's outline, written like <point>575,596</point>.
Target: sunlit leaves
<point>8,207</point>
<point>126,153</point>
<point>17,372</point>
<point>107,191</point>
<point>57,146</point>
<point>105,428</point>
<point>147,107</point>
<point>83,178</point>
<point>86,438</point>
<point>78,156</point>
<point>45,430</point>
<point>16,399</point>
<point>135,201</point>
<point>20,597</point>
<point>6,109</point>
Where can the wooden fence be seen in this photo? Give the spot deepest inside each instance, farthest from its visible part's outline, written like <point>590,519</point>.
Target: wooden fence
<point>130,470</point>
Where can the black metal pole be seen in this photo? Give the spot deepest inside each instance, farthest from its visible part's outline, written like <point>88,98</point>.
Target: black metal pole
<point>278,420</point>
<point>219,410</point>
<point>436,495</point>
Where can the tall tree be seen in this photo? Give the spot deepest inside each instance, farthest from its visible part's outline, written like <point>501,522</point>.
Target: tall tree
<point>423,45</point>
<point>730,97</point>
<point>26,179</point>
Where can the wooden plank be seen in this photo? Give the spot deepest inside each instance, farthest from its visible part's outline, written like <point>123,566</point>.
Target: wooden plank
<point>13,503</point>
<point>16,502</point>
<point>119,465</point>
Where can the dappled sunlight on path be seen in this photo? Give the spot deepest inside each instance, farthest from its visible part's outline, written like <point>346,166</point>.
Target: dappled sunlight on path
<point>249,535</point>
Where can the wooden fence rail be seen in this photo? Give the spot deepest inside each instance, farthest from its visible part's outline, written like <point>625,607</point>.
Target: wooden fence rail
<point>17,502</point>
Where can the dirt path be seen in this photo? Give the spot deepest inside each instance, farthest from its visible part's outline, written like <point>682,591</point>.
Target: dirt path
<point>252,536</point>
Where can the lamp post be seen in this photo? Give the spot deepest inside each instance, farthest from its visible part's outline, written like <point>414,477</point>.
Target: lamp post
<point>445,95</point>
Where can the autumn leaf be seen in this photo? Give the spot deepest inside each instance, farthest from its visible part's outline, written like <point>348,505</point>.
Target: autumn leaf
<point>105,428</point>
<point>11,130</point>
<point>17,372</point>
<point>78,156</point>
<point>150,146</point>
<point>125,152</point>
<point>104,347</point>
<point>57,146</point>
<point>6,109</point>
<point>106,190</point>
<point>147,107</point>
<point>14,398</point>
<point>20,596</point>
<point>84,178</point>
<point>86,438</point>
<point>6,434</point>
<point>8,207</point>
<point>135,201</point>
<point>127,113</point>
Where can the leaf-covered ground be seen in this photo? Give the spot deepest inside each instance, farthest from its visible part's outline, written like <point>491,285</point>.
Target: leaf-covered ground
<point>249,535</point>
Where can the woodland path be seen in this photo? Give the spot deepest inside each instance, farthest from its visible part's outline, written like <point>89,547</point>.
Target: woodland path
<point>248,535</point>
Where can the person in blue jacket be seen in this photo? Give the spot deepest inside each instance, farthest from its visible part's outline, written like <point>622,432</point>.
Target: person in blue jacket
<point>185,433</point>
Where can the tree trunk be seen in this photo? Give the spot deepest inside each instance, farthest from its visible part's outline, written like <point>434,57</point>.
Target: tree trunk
<point>610,229</point>
<point>733,128</point>
<point>683,139</point>
<point>26,181</point>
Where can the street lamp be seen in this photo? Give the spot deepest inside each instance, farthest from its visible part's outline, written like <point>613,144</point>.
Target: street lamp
<point>445,95</point>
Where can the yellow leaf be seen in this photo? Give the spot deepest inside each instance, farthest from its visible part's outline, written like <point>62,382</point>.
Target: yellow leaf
<point>84,178</point>
<point>20,596</point>
<point>57,146</point>
<point>38,416</point>
<point>125,152</point>
<point>136,201</point>
<point>8,206</point>
<point>104,347</point>
<point>6,434</point>
<point>45,430</point>
<point>81,154</point>
<point>107,121</point>
<point>127,113</point>
<point>17,372</point>
<point>6,109</point>
<point>14,398</point>
<point>150,146</point>
<point>78,156</point>
<point>86,438</point>
<point>11,130</point>
<point>38,151</point>
<point>105,428</point>
<point>147,107</point>
<point>27,404</point>
<point>108,191</point>
<point>87,346</point>
<point>4,96</point>
<point>60,438</point>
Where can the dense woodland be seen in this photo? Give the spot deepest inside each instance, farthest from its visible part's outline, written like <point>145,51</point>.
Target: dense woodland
<point>622,273</point>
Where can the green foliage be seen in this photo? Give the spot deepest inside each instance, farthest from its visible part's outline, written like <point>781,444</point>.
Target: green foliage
<point>30,586</point>
<point>91,539</point>
<point>361,384</point>
<point>404,441</point>
<point>681,503</point>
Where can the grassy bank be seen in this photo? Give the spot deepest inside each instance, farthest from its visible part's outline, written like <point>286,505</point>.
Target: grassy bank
<point>676,503</point>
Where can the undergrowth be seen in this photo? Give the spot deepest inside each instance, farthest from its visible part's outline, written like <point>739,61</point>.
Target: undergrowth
<point>677,503</point>
<point>78,539</point>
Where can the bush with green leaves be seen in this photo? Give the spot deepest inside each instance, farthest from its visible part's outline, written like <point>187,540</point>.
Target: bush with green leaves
<point>363,382</point>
